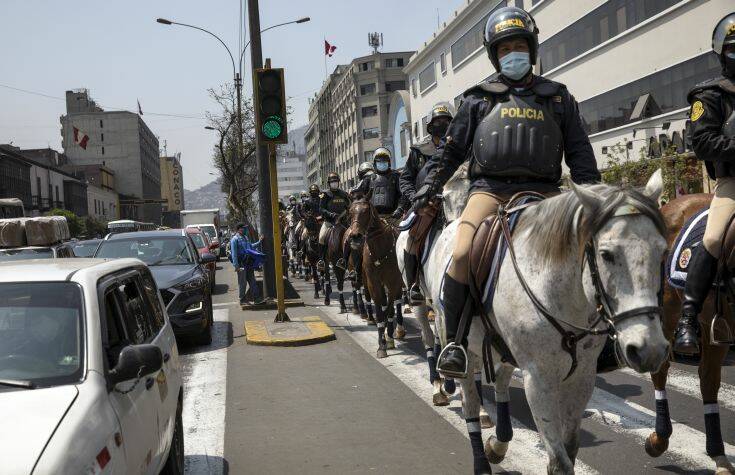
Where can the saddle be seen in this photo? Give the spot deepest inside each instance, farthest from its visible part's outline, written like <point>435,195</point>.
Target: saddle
<point>420,228</point>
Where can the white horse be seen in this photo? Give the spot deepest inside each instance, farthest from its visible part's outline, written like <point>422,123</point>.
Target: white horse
<point>624,229</point>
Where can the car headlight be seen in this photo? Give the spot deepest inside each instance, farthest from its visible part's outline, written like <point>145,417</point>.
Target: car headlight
<point>194,308</point>
<point>191,284</point>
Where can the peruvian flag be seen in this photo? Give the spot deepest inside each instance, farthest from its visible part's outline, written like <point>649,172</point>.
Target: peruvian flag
<point>329,49</point>
<point>80,138</point>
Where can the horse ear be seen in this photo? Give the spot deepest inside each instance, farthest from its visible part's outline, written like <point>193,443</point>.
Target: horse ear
<point>655,186</point>
<point>589,199</point>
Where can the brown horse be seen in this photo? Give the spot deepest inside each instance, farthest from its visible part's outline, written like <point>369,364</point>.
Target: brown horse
<point>676,213</point>
<point>380,269</point>
<point>335,238</point>
<point>310,248</point>
<point>362,303</point>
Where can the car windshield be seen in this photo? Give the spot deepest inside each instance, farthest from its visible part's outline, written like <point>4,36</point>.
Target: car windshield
<point>211,233</point>
<point>198,240</point>
<point>19,254</point>
<point>152,251</point>
<point>41,340</point>
<point>85,248</point>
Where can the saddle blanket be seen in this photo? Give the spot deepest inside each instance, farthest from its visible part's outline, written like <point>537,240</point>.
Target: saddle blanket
<point>689,237</point>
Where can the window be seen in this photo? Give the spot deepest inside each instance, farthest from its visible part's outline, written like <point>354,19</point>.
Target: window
<point>370,111</point>
<point>101,123</point>
<point>394,63</point>
<point>413,87</point>
<point>403,142</point>
<point>367,66</point>
<point>115,337</point>
<point>443,63</point>
<point>366,89</point>
<point>391,86</point>
<point>134,311</point>
<point>103,150</point>
<point>371,133</point>
<point>399,62</point>
<point>368,155</point>
<point>427,77</point>
<point>472,40</point>
<point>424,123</point>
<point>667,89</point>
<point>416,129</point>
<point>102,137</point>
<point>606,21</point>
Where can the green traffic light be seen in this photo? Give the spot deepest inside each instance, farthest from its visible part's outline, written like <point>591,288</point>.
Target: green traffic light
<point>272,127</point>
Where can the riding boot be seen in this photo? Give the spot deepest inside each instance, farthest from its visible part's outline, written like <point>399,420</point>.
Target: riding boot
<point>700,274</point>
<point>342,261</point>
<point>411,264</point>
<point>321,265</point>
<point>453,359</point>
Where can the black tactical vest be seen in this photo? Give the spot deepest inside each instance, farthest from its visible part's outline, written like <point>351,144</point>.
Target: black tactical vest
<point>339,201</point>
<point>424,152</point>
<point>385,197</point>
<point>726,87</point>
<point>519,139</point>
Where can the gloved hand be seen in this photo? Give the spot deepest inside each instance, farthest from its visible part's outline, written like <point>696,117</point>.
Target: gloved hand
<point>397,214</point>
<point>423,197</point>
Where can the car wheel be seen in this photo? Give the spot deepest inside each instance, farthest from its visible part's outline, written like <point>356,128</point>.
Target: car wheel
<point>175,461</point>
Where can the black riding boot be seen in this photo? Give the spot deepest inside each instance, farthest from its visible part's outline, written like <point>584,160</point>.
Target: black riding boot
<point>342,261</point>
<point>453,359</point>
<point>700,274</point>
<point>322,264</point>
<point>411,264</point>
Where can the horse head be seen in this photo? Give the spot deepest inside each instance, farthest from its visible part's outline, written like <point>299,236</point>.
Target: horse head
<point>362,218</point>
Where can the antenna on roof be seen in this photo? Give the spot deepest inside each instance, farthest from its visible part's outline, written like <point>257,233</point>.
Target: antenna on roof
<point>375,40</point>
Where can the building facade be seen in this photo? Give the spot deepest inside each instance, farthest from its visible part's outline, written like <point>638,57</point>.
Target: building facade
<point>121,141</point>
<point>15,178</point>
<point>172,183</point>
<point>349,117</point>
<point>628,63</point>
<point>291,168</point>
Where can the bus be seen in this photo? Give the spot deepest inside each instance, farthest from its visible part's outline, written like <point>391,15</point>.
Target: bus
<point>128,226</point>
<point>11,208</point>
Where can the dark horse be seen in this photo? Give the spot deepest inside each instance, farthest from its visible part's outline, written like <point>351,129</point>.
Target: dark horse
<point>380,270</point>
<point>310,249</point>
<point>362,303</point>
<point>335,238</point>
<point>676,213</point>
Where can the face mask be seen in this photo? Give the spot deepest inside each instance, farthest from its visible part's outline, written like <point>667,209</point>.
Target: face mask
<point>515,65</point>
<point>439,130</point>
<point>334,185</point>
<point>382,166</point>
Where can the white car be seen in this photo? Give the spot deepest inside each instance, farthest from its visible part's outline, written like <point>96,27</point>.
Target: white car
<point>90,380</point>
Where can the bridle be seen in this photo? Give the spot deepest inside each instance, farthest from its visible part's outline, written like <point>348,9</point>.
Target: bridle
<point>605,312</point>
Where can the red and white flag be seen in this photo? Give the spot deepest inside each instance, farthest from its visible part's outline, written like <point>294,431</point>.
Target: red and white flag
<point>329,49</point>
<point>80,138</point>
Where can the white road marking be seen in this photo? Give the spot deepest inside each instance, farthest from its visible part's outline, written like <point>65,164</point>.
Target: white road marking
<point>526,453</point>
<point>205,388</point>
<point>226,304</point>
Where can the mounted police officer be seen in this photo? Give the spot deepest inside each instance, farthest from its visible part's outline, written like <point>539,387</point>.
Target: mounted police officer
<point>313,200</point>
<point>515,128</point>
<point>713,138</point>
<point>364,170</point>
<point>414,174</point>
<point>335,202</point>
<point>293,207</point>
<point>384,185</point>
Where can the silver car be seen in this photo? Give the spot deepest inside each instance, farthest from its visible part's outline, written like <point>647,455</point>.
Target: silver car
<point>89,370</point>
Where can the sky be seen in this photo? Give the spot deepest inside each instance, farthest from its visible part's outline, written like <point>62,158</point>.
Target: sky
<point>116,50</point>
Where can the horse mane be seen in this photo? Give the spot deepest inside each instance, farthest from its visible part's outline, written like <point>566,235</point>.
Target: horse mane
<point>556,222</point>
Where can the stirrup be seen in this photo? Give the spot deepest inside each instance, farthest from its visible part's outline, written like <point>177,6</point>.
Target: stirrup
<point>341,264</point>
<point>453,374</point>
<point>714,340</point>
<point>413,301</point>
<point>320,265</point>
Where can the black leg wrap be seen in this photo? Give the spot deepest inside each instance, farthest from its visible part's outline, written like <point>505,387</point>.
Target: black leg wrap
<point>503,429</point>
<point>431,358</point>
<point>715,446</point>
<point>480,463</point>
<point>663,419</point>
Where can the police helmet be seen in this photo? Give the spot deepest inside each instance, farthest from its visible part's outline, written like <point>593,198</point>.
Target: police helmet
<point>314,189</point>
<point>304,194</point>
<point>510,22</point>
<point>364,169</point>
<point>333,177</point>
<point>440,109</point>
<point>293,198</point>
<point>723,34</point>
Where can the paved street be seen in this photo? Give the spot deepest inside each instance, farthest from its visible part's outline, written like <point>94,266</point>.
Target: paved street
<point>335,408</point>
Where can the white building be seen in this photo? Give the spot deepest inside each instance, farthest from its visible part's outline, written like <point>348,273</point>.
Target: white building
<point>291,169</point>
<point>629,63</point>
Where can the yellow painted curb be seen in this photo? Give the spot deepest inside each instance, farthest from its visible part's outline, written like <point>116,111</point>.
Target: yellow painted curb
<point>257,333</point>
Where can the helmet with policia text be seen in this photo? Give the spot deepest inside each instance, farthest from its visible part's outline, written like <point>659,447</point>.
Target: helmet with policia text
<point>722,36</point>
<point>364,169</point>
<point>440,109</point>
<point>314,189</point>
<point>510,22</point>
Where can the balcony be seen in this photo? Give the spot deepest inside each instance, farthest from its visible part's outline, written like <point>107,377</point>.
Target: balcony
<point>41,204</point>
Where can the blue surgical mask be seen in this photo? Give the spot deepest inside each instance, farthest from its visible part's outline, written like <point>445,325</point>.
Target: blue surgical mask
<point>515,65</point>
<point>382,166</point>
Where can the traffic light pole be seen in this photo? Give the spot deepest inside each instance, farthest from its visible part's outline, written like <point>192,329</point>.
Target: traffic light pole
<point>281,316</point>
<point>267,218</point>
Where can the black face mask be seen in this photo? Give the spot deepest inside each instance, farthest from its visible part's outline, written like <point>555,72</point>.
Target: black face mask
<point>314,194</point>
<point>728,67</point>
<point>440,130</point>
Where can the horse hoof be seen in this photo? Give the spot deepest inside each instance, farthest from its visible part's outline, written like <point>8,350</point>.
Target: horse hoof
<point>495,450</point>
<point>655,445</point>
<point>316,296</point>
<point>723,466</point>
<point>430,316</point>
<point>371,321</point>
<point>390,345</point>
<point>407,309</point>
<point>382,353</point>
<point>439,399</point>
<point>363,316</point>
<point>343,309</point>
<point>327,302</point>
<point>400,333</point>
<point>486,422</point>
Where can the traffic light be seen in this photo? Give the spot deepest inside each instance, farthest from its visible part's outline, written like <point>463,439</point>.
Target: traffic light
<point>270,106</point>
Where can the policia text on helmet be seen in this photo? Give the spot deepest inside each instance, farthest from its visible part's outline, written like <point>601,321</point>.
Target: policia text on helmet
<point>511,41</point>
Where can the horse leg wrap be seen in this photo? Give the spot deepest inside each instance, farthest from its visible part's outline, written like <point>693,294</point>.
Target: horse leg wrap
<point>481,465</point>
<point>504,429</point>
<point>399,314</point>
<point>361,303</point>
<point>354,299</point>
<point>663,418</point>
<point>390,322</point>
<point>433,375</point>
<point>405,297</point>
<point>342,305</point>
<point>478,385</point>
<point>370,309</point>
<point>715,446</point>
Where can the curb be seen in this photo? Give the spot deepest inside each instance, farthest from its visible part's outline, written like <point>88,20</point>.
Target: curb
<point>309,331</point>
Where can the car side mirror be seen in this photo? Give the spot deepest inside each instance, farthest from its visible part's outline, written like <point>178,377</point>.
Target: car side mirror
<point>208,258</point>
<point>136,361</point>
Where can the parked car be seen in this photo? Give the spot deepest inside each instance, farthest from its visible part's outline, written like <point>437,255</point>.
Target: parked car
<point>211,231</point>
<point>85,248</point>
<point>90,380</point>
<point>204,246</point>
<point>53,251</point>
<point>181,276</point>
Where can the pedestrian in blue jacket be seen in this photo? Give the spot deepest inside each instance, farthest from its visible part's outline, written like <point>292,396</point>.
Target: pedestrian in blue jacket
<point>240,247</point>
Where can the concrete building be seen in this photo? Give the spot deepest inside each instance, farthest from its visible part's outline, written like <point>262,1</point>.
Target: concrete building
<point>121,141</point>
<point>629,64</point>
<point>349,116</point>
<point>103,202</point>
<point>15,178</point>
<point>291,169</point>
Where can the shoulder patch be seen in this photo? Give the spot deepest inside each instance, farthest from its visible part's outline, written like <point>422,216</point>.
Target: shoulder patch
<point>697,110</point>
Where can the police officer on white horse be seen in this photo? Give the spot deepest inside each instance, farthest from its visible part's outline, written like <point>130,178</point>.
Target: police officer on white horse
<point>516,129</point>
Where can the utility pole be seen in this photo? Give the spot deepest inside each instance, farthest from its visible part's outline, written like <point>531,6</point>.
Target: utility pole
<point>264,188</point>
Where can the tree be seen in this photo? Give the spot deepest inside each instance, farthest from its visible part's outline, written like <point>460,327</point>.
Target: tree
<point>94,227</point>
<point>76,224</point>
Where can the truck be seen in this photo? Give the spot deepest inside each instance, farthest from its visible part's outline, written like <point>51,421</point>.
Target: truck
<point>208,221</point>
<point>11,208</point>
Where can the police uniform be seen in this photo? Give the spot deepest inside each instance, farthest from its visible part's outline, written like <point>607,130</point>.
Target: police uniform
<point>386,191</point>
<point>415,171</point>
<point>333,204</point>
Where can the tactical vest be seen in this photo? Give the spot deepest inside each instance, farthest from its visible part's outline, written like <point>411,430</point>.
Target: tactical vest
<point>726,88</point>
<point>520,138</point>
<point>385,196</point>
<point>424,152</point>
<point>339,201</point>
